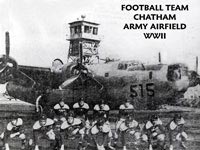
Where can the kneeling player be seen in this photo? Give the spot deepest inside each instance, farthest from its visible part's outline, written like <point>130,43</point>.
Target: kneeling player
<point>155,132</point>
<point>43,129</point>
<point>176,129</point>
<point>127,126</point>
<point>101,133</point>
<point>13,129</point>
<point>73,128</point>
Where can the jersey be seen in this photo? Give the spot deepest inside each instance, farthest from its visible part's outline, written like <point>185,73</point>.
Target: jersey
<point>76,122</point>
<point>71,128</point>
<point>173,126</point>
<point>81,109</point>
<point>154,128</point>
<point>104,128</point>
<point>124,109</point>
<point>61,110</point>
<point>43,128</point>
<point>102,109</point>
<point>124,125</point>
<point>15,127</point>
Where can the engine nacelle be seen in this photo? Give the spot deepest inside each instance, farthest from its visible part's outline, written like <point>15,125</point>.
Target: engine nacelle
<point>8,66</point>
<point>57,66</point>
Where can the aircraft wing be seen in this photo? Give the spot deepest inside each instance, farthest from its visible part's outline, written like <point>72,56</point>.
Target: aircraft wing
<point>40,75</point>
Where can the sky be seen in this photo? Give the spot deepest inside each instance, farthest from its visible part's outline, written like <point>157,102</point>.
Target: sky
<point>39,29</point>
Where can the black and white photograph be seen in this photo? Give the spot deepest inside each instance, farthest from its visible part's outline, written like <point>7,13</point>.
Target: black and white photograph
<point>99,75</point>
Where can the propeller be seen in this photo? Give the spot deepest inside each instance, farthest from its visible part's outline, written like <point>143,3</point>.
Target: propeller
<point>79,67</point>
<point>159,58</point>
<point>7,64</point>
<point>7,44</point>
<point>9,67</point>
<point>80,73</point>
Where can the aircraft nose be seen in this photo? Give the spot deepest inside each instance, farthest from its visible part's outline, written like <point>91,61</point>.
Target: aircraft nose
<point>182,84</point>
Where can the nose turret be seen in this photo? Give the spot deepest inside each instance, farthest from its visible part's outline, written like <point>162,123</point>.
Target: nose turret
<point>177,74</point>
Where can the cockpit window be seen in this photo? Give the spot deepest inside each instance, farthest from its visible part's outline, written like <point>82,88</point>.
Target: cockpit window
<point>122,66</point>
<point>130,66</point>
<point>95,31</point>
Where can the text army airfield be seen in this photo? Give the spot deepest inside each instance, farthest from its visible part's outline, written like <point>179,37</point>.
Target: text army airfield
<point>160,88</point>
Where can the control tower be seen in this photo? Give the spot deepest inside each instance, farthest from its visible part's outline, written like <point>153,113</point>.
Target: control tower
<point>84,41</point>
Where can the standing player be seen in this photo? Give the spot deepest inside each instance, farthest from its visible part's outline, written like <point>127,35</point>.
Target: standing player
<point>125,108</point>
<point>101,108</point>
<point>176,129</point>
<point>61,109</point>
<point>81,108</point>
<point>14,129</point>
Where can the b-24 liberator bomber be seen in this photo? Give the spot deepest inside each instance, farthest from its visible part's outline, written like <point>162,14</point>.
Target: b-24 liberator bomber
<point>147,86</point>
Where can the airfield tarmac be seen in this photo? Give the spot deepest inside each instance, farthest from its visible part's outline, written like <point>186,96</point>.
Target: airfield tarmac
<point>192,126</point>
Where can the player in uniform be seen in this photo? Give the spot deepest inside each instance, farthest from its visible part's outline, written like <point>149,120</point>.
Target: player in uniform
<point>61,109</point>
<point>125,108</point>
<point>127,126</point>
<point>155,132</point>
<point>101,108</point>
<point>72,128</point>
<point>81,108</point>
<point>14,129</point>
<point>58,134</point>
<point>43,128</point>
<point>176,129</point>
<point>101,133</point>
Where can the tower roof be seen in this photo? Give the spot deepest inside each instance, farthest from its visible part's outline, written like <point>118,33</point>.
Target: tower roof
<point>83,21</point>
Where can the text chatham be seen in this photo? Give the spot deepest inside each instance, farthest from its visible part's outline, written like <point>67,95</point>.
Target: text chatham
<point>154,16</point>
<point>129,7</point>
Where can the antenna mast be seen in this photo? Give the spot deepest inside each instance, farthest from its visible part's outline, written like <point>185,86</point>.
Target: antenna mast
<point>197,63</point>
<point>159,58</point>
